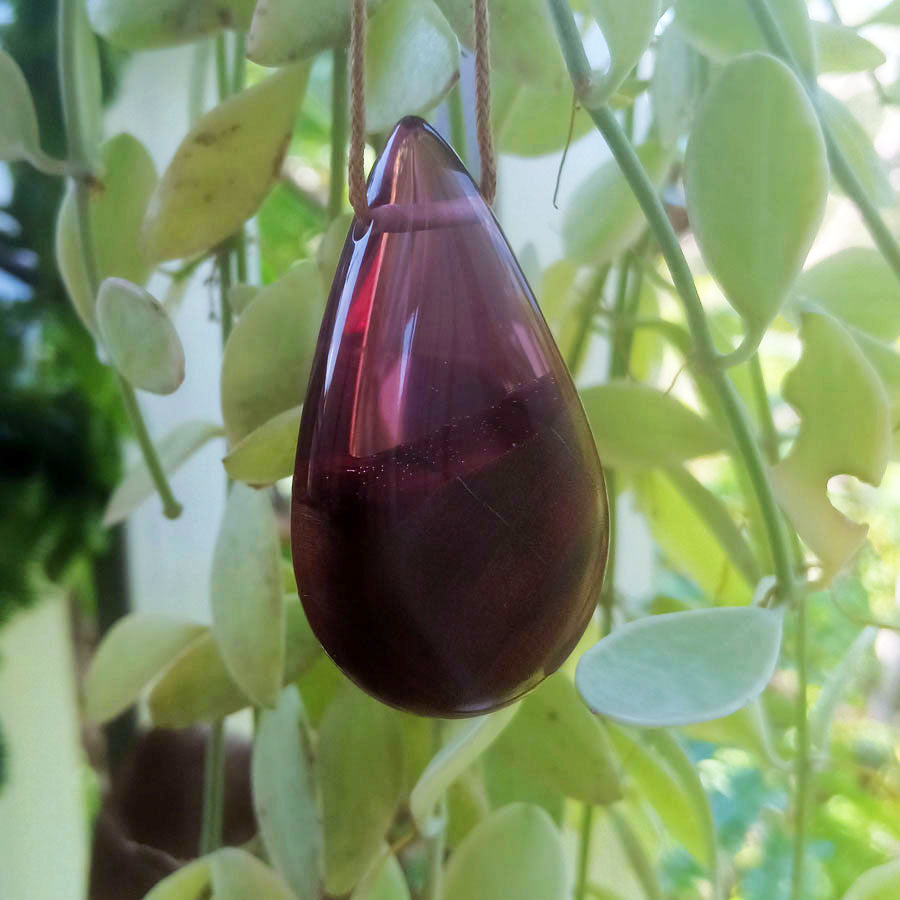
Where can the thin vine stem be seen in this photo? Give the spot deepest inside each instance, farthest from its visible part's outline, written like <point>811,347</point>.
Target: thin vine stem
<point>213,790</point>
<point>770,441</point>
<point>339,121</point>
<point>584,852</point>
<point>801,760</point>
<point>590,304</point>
<point>457,113</point>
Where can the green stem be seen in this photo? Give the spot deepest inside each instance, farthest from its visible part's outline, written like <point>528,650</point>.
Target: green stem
<point>584,852</point>
<point>239,70</point>
<point>591,301</point>
<point>704,347</point>
<point>458,135</point>
<point>840,166</point>
<point>637,856</point>
<point>801,760</point>
<point>213,790</point>
<point>222,81</point>
<point>223,260</point>
<point>339,120</point>
<point>770,441</point>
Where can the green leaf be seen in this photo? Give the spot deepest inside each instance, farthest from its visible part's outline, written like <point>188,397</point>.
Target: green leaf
<point>637,426</point>
<point>879,883</point>
<point>887,15</point>
<point>627,29</point>
<point>467,805</point>
<point>143,24</point>
<point>846,428</point>
<point>389,882</point>
<point>248,612</point>
<point>267,453</point>
<point>682,667</point>
<point>224,167</point>
<point>284,31</point>
<point>196,687</point>
<point>676,85</point>
<point>554,739</point>
<point>236,875</point>
<point>361,774</point>
<point>756,147</point>
<point>174,449</point>
<point>523,41</point>
<point>857,286</point>
<point>328,253</point>
<point>506,784</point>
<point>851,137</point>
<point>190,882</point>
<point>603,218</point>
<point>116,210</point>
<point>267,359</point>
<point>134,651</point>
<point>240,296</point>
<point>452,760</point>
<point>841,50</point>
<point>137,332</point>
<point>722,29</point>
<point>748,728</point>
<point>886,362</point>
<point>412,60</point>
<point>285,797</point>
<point>88,84</point>
<point>516,852</point>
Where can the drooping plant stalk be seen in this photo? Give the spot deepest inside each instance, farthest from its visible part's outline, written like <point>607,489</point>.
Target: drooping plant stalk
<point>339,123</point>
<point>80,156</point>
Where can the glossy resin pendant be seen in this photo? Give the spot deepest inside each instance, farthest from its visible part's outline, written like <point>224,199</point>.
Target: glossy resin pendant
<point>449,519</point>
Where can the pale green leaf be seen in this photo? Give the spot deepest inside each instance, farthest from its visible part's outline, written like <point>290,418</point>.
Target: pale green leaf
<point>682,667</point>
<point>627,29</point>
<point>637,426</point>
<point>506,784</point>
<point>240,296</point>
<point>269,353</point>
<point>134,651</point>
<point>516,852</point>
<point>285,797</point>
<point>223,168</point>
<point>174,449</point>
<point>889,14</point>
<point>361,775</point>
<point>857,286</point>
<point>885,360</point>
<point>842,50</point>
<point>452,760</point>
<point>267,453</point>
<point>851,137</point>
<point>328,253</point>
<point>881,882</point>
<point>560,300</point>
<point>142,24</point>
<point>116,204</point>
<point>412,60</point>
<point>19,134</point>
<point>88,85</point>
<point>236,875</point>
<point>553,738</point>
<point>748,728</point>
<point>247,607</point>
<point>756,147</point>
<point>387,883</point>
<point>190,882</point>
<point>604,218</point>
<point>467,805</point>
<point>196,687</point>
<point>846,428</point>
<point>139,336</point>
<point>723,29</point>
<point>676,85</point>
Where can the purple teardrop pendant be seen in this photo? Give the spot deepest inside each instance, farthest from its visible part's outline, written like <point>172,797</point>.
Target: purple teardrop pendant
<point>449,519</point>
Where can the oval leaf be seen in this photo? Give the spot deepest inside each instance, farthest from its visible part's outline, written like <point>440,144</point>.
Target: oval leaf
<point>756,147</point>
<point>190,882</point>
<point>134,651</point>
<point>880,883</point>
<point>841,50</point>
<point>361,775</point>
<point>387,883</point>
<point>140,337</point>
<point>676,85</point>
<point>236,875</point>
<point>627,29</point>
<point>268,355</point>
<point>267,453</point>
<point>681,667</point>
<point>516,852</point>
<point>224,167</point>
<point>19,134</point>
<point>248,612</point>
<point>284,795</point>
<point>638,426</point>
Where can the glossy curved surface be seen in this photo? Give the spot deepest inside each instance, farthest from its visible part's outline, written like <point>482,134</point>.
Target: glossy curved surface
<point>449,520</point>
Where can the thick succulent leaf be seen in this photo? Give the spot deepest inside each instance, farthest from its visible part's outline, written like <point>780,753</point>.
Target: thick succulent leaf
<point>553,738</point>
<point>881,882</point>
<point>247,607</point>
<point>285,797</point>
<point>139,336</point>
<point>236,875</point>
<point>756,147</point>
<point>267,453</point>
<point>842,50</point>
<point>506,784</point>
<point>116,209</point>
<point>196,687</point>
<point>603,217</point>
<point>676,85</point>
<point>361,773</point>
<point>412,60</point>
<point>627,29</point>
<point>637,426</point>
<point>846,428</point>
<point>142,24</point>
<point>467,805</point>
<point>682,667</point>
<point>269,353</point>
<point>134,651</point>
<point>723,29</point>
<point>387,883</point>
<point>224,167</point>
<point>885,361</point>
<point>516,852</point>
<point>190,882</point>
<point>173,450</point>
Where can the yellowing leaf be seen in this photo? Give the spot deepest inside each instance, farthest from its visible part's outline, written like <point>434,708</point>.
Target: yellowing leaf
<point>846,428</point>
<point>236,875</point>
<point>627,29</point>
<point>757,148</point>
<point>267,453</point>
<point>224,167</point>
